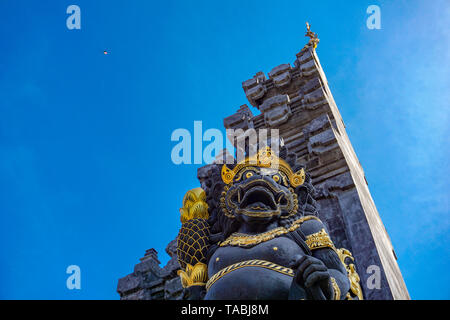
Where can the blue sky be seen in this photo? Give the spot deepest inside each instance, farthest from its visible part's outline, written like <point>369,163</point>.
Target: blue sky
<point>85,171</point>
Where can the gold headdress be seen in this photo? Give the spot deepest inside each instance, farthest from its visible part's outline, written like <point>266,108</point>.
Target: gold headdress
<point>264,158</point>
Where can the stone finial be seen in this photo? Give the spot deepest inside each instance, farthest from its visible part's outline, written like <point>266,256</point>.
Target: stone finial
<point>313,38</point>
<point>150,254</point>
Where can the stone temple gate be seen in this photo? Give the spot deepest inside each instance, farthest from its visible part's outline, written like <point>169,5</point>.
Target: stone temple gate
<point>296,100</point>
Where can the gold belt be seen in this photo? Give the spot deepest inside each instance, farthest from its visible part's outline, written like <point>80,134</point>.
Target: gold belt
<point>249,263</point>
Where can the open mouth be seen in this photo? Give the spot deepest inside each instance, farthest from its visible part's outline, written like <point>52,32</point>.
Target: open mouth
<point>258,199</point>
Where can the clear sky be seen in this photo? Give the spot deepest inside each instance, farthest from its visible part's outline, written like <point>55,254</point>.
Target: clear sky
<point>86,176</point>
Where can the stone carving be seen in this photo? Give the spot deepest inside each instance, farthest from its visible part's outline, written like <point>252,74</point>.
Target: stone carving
<point>265,227</point>
<point>242,119</point>
<point>313,38</point>
<point>151,282</point>
<point>276,110</point>
<point>281,75</point>
<point>254,88</point>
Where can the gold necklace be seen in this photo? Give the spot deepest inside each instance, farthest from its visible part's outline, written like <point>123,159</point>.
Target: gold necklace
<point>243,240</point>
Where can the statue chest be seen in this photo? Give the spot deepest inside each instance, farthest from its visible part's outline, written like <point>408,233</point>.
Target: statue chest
<point>281,251</point>
<point>261,270</point>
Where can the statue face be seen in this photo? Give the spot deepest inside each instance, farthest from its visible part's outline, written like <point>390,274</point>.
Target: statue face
<point>260,195</point>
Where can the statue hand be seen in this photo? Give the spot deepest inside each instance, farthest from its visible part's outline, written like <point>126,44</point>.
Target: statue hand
<point>313,275</point>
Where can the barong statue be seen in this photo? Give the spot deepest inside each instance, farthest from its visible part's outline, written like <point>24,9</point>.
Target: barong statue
<point>252,232</point>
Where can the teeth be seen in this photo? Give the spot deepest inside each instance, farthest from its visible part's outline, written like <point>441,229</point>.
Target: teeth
<point>258,206</point>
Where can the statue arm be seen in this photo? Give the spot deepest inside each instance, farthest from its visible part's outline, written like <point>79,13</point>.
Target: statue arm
<point>335,267</point>
<point>334,281</point>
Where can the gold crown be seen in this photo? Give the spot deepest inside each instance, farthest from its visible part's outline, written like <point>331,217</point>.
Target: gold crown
<point>264,158</point>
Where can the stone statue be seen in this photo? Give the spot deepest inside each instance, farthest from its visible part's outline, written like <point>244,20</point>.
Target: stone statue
<point>252,232</point>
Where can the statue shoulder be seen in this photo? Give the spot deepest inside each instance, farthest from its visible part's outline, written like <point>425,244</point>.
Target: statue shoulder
<point>316,234</point>
<point>312,226</point>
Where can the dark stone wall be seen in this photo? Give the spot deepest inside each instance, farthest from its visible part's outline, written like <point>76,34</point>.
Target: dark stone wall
<point>151,282</point>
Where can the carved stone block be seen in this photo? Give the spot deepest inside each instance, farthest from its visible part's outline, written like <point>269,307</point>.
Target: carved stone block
<point>281,75</point>
<point>128,283</point>
<point>242,119</point>
<point>254,88</point>
<point>276,110</point>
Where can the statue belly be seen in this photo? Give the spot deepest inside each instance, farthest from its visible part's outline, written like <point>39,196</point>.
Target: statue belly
<point>251,283</point>
<point>281,251</point>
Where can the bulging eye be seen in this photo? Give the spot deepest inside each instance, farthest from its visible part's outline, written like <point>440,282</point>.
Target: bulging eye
<point>276,178</point>
<point>249,174</point>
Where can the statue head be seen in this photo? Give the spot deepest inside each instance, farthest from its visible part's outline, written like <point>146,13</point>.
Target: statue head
<point>260,189</point>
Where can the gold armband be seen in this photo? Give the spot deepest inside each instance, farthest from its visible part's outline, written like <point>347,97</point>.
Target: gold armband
<point>337,290</point>
<point>319,240</point>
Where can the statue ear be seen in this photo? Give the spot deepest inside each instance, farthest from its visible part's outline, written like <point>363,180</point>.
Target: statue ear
<point>298,178</point>
<point>227,174</point>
